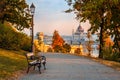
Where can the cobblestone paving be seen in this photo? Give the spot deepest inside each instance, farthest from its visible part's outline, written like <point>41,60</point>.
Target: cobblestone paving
<point>70,67</point>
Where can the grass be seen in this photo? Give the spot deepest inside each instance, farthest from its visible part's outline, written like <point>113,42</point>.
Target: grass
<point>113,64</point>
<point>10,63</point>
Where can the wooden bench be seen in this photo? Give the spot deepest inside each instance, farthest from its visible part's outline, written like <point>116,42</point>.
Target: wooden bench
<point>33,61</point>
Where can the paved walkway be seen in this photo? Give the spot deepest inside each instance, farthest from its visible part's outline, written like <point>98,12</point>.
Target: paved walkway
<point>69,67</point>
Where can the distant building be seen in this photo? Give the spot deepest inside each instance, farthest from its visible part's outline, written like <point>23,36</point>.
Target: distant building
<point>78,37</point>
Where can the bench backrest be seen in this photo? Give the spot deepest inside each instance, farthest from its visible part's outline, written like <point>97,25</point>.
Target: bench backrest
<point>29,57</point>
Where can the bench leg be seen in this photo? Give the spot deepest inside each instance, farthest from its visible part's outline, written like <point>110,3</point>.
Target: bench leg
<point>28,68</point>
<point>34,67</point>
<point>44,65</point>
<point>39,68</point>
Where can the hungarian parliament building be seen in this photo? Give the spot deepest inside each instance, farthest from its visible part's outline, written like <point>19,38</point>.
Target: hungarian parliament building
<point>78,37</point>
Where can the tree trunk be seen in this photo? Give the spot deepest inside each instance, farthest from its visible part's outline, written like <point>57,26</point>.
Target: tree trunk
<point>101,38</point>
<point>117,37</point>
<point>2,11</point>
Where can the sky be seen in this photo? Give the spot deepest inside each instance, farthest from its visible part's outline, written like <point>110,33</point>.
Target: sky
<point>50,16</point>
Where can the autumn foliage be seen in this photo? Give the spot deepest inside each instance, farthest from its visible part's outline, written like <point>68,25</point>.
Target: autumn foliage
<point>57,40</point>
<point>108,42</point>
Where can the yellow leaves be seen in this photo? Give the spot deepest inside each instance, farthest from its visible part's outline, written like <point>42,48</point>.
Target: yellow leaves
<point>37,45</point>
<point>108,42</point>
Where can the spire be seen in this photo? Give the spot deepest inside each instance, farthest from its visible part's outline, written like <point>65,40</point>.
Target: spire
<point>79,30</point>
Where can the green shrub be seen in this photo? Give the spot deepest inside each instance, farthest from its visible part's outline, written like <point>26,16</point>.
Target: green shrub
<point>7,36</point>
<point>13,40</point>
<point>108,54</point>
<point>25,42</point>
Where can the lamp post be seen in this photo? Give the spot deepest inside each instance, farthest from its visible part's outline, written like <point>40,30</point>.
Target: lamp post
<point>32,10</point>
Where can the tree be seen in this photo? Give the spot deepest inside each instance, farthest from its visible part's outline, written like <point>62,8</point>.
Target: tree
<point>36,46</point>
<point>103,16</point>
<point>15,12</point>
<point>67,47</point>
<point>77,51</point>
<point>57,41</point>
<point>89,43</point>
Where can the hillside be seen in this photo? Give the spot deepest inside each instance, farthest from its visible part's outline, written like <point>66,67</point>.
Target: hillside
<point>11,62</point>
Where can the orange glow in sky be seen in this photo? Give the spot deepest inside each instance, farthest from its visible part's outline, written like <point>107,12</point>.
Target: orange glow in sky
<point>50,16</point>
